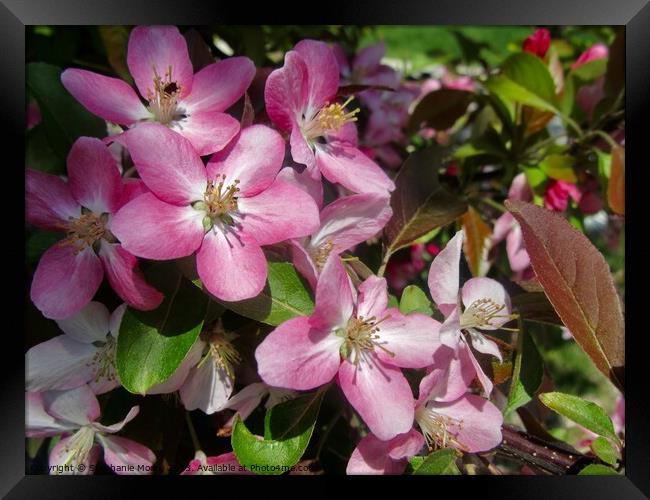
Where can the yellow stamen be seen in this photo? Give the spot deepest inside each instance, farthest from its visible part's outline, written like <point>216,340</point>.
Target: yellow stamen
<point>84,231</point>
<point>481,312</point>
<point>220,348</point>
<point>221,200</point>
<point>439,430</point>
<point>320,253</point>
<point>330,118</point>
<point>163,101</point>
<point>362,335</point>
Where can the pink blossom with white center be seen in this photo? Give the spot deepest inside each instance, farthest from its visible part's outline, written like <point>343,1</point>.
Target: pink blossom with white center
<point>345,223</point>
<point>191,104</point>
<point>507,228</point>
<point>202,465</point>
<point>85,354</point>
<point>224,212</point>
<point>70,272</point>
<point>358,341</point>
<point>75,414</point>
<point>300,99</point>
<point>480,304</point>
<point>365,67</point>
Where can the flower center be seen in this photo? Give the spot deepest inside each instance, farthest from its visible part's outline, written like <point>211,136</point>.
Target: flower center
<point>78,446</point>
<point>481,312</point>
<point>320,253</point>
<point>221,349</point>
<point>439,430</point>
<point>104,361</point>
<point>219,202</point>
<point>163,101</point>
<point>330,118</point>
<point>84,231</point>
<point>361,335</point>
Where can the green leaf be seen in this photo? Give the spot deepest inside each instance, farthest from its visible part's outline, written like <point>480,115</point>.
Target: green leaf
<point>527,374</point>
<point>529,72</point>
<point>438,463</point>
<point>285,296</point>
<point>597,470</point>
<point>605,450</point>
<point>420,204</point>
<point>559,167</point>
<point>392,301</point>
<point>287,430</point>
<point>415,300</point>
<point>152,344</point>
<point>585,413</point>
<point>64,119</point>
<point>591,70</point>
<point>39,154</point>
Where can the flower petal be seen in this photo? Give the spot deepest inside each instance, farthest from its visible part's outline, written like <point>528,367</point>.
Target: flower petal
<point>334,298</point>
<point>297,356</point>
<point>49,202</point>
<point>249,398</point>
<point>305,181</point>
<point>90,324</point>
<point>39,423</point>
<point>254,159</point>
<point>412,340</point>
<point>371,457</point>
<point>476,289</point>
<point>154,49</point>
<point>450,377</point>
<point>348,166</point>
<point>406,445</point>
<point>351,220</point>
<point>484,345</point>
<point>219,85</point>
<point>207,387</point>
<point>322,71</point>
<point>95,181</point>
<point>304,263</point>
<point>112,99</point>
<point>120,453</point>
<point>444,275</point>
<point>450,333</point>
<point>278,213</point>
<point>232,266</point>
<point>166,162</point>
<point>78,406</point>
<point>302,153</point>
<point>373,298</point>
<point>467,355</point>
<point>127,280</point>
<point>177,379</point>
<point>152,229</point>
<point>64,460</point>
<point>65,281</point>
<point>285,92</point>
<point>117,427</point>
<point>208,131</point>
<point>380,394</point>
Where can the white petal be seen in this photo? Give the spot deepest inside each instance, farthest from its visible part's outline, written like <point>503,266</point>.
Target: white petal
<point>88,325</point>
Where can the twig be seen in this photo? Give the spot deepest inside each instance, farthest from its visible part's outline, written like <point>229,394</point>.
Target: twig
<point>190,426</point>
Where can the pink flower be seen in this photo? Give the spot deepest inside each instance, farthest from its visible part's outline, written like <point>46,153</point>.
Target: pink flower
<point>74,413</point>
<point>191,104</point>
<point>507,228</point>
<point>588,96</point>
<point>70,272</point>
<point>389,114</point>
<point>300,99</point>
<point>373,456</point>
<point>203,465</point>
<point>366,67</point>
<point>481,303</point>
<point>538,43</point>
<point>346,222</point>
<point>557,195</point>
<point>357,340</point>
<point>596,51</point>
<point>85,354</point>
<point>224,213</point>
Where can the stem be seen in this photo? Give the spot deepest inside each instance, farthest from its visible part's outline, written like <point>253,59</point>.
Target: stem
<point>384,263</point>
<point>493,204</point>
<point>190,426</point>
<point>603,135</point>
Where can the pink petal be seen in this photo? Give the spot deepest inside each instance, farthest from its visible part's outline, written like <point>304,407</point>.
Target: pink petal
<point>249,398</point>
<point>302,153</point>
<point>254,159</point>
<point>444,275</point>
<point>596,51</point>
<point>297,356</point>
<point>346,165</point>
<point>450,377</point>
<point>153,229</point>
<point>483,344</point>
<point>94,179</point>
<point>322,71</point>
<point>39,423</point>
<point>304,263</point>
<point>351,220</point>
<point>373,298</point>
<point>380,394</point>
<point>412,340</point>
<point>303,180</point>
<point>371,457</point>
<point>159,48</point>
<point>406,445</point>
<point>119,453</point>
<point>166,162</point>
<point>132,188</point>
<point>369,57</point>
<point>278,213</point>
<point>450,333</point>
<point>59,363</point>
<point>481,422</point>
<point>89,325</point>
<point>476,289</point>
<point>207,387</point>
<point>285,92</point>
<point>127,280</point>
<point>334,300</point>
<point>117,427</point>
<point>341,59</point>
<point>109,98</point>
<point>502,227</point>
<point>49,202</point>
<point>78,406</point>
<point>519,189</point>
<point>208,131</point>
<point>231,266</point>
<point>65,281</point>
<point>219,85</point>
<point>347,133</point>
<point>467,355</point>
<point>62,459</point>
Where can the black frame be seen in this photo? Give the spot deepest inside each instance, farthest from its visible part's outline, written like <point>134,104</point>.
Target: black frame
<point>634,14</point>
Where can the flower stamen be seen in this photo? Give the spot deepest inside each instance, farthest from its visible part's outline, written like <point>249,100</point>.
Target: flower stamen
<point>330,118</point>
<point>481,312</point>
<point>362,335</point>
<point>163,101</point>
<point>221,349</point>
<point>84,231</point>
<point>439,430</point>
